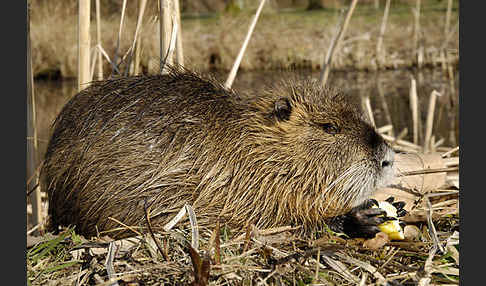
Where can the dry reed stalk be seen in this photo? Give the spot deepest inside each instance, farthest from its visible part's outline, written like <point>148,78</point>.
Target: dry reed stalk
<point>369,111</point>
<point>430,120</point>
<point>84,8</point>
<point>402,134</point>
<point>380,53</point>
<point>414,109</point>
<point>316,277</point>
<point>443,60</point>
<point>94,58</point>
<point>385,129</point>
<point>234,69</point>
<point>110,270</point>
<point>448,17</point>
<point>173,40</point>
<point>105,54</point>
<point>449,36</point>
<point>416,33</point>
<point>32,160</point>
<point>136,38</point>
<point>138,46</point>
<point>326,66</point>
<point>401,142</point>
<point>179,50</point>
<point>448,153</point>
<point>431,226</point>
<point>194,227</point>
<point>384,105</point>
<point>98,40</point>
<point>115,57</point>
<point>165,32</point>
<point>436,144</point>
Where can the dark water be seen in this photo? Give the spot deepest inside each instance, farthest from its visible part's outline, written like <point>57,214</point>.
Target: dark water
<point>390,88</point>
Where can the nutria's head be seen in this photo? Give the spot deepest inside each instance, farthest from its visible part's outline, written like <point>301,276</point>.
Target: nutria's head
<point>332,158</point>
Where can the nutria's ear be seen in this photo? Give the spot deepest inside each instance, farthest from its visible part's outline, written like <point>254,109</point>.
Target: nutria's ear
<point>282,108</point>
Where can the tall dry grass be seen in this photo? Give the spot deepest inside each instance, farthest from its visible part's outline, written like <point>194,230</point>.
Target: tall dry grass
<point>281,39</point>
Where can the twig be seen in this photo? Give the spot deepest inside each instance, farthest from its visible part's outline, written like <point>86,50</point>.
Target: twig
<point>194,227</point>
<point>84,45</point>
<point>236,65</point>
<point>430,120</point>
<point>115,57</point>
<point>414,109</point>
<point>447,21</point>
<point>366,266</point>
<point>124,225</point>
<point>98,40</point>
<point>428,267</point>
<point>326,66</point>
<point>431,226</point>
<point>165,21</point>
<point>417,33</point>
<point>149,225</point>
<point>113,65</point>
<point>428,171</point>
<point>110,256</point>
<point>32,145</point>
<point>179,51</point>
<point>173,40</point>
<point>450,152</point>
<point>138,46</point>
<point>137,31</point>
<point>182,212</point>
<point>381,94</point>
<point>369,111</point>
<point>379,52</point>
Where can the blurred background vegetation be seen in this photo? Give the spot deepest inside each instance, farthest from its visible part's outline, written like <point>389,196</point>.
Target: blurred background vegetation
<point>289,34</point>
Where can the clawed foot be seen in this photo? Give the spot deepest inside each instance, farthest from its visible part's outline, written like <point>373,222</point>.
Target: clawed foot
<point>398,205</point>
<point>363,220</point>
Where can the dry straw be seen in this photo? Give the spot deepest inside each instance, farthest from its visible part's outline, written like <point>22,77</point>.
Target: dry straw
<point>32,160</point>
<point>165,32</point>
<point>179,49</point>
<point>234,69</point>
<point>138,28</point>
<point>115,57</point>
<point>414,109</point>
<point>326,66</point>
<point>430,120</point>
<point>416,34</point>
<point>84,47</point>
<point>380,53</point>
<point>99,74</point>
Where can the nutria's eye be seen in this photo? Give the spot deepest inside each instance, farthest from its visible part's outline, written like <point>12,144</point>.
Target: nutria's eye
<point>329,128</point>
<point>282,108</point>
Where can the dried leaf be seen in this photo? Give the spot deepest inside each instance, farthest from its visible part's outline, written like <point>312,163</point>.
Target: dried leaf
<point>377,242</point>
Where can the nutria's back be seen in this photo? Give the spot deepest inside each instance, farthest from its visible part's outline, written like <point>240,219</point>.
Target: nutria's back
<point>292,155</point>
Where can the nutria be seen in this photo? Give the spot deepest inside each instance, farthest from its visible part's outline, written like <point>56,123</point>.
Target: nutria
<point>297,154</point>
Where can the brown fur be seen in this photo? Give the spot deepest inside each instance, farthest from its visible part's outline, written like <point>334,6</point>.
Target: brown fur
<point>176,139</point>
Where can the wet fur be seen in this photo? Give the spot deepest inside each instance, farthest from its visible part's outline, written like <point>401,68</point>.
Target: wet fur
<point>175,139</point>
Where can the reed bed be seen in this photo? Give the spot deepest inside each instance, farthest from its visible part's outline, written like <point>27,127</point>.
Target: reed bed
<point>285,39</point>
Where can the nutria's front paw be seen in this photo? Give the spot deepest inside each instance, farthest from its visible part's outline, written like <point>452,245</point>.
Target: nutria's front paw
<point>363,220</point>
<point>398,205</point>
